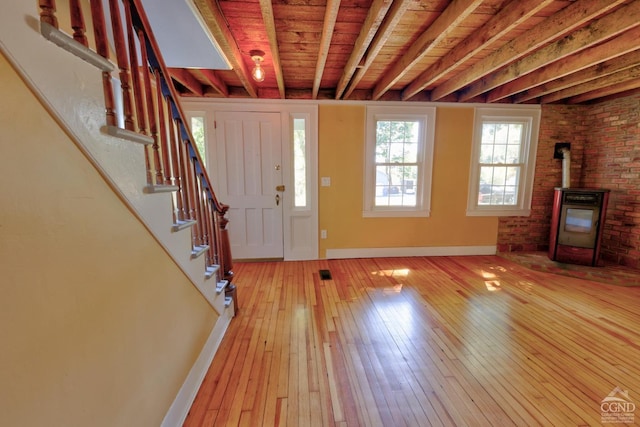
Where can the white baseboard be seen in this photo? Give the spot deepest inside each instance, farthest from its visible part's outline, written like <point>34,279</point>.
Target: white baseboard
<point>411,251</point>
<point>179,409</point>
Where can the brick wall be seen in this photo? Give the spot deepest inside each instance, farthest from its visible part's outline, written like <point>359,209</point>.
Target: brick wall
<point>612,160</point>
<point>558,123</point>
<point>605,153</point>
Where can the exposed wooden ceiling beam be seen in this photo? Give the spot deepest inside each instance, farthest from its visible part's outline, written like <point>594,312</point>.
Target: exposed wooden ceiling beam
<point>509,80</point>
<point>595,84</point>
<point>618,46</point>
<point>501,23</point>
<point>374,19</point>
<point>567,19</point>
<point>330,16</point>
<point>433,36</point>
<point>398,8</point>
<point>605,91</point>
<point>215,82</point>
<point>185,78</point>
<point>564,87</point>
<point>267,16</point>
<point>216,23</point>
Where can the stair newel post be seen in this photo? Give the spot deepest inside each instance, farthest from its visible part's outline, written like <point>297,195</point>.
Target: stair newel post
<point>225,255</point>
<point>102,47</point>
<point>123,65</point>
<point>225,245</point>
<point>211,231</point>
<point>48,12</point>
<point>77,22</point>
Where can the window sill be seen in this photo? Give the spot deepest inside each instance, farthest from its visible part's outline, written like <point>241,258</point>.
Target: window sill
<point>396,214</point>
<point>499,212</point>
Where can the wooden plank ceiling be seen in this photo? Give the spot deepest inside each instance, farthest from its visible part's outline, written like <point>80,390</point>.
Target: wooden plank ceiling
<point>506,51</point>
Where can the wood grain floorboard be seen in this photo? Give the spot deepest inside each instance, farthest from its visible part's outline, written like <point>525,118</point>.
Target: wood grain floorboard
<point>420,341</point>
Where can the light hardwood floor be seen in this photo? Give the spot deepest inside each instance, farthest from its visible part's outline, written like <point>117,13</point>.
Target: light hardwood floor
<point>464,341</point>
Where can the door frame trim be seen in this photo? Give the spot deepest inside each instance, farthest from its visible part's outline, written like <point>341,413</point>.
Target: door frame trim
<point>300,227</point>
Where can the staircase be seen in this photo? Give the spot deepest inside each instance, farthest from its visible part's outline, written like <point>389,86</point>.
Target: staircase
<point>107,89</point>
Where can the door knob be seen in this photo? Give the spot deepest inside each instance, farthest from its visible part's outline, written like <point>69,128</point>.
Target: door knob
<point>280,188</point>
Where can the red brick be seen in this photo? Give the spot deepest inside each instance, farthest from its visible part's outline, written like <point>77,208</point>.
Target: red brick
<point>604,139</point>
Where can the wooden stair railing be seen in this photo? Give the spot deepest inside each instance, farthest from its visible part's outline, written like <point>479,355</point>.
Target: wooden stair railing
<point>153,116</point>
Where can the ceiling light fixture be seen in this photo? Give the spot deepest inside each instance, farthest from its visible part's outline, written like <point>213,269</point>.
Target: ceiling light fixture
<point>258,72</point>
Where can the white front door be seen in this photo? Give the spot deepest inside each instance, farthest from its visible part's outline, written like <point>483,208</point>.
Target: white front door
<point>249,148</point>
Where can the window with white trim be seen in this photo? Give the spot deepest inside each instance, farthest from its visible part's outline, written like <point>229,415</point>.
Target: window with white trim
<point>300,136</point>
<point>503,161</point>
<point>399,161</point>
<point>198,131</point>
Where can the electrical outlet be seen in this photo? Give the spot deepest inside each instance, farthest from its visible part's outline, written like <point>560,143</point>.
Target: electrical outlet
<point>323,234</point>
<point>325,181</point>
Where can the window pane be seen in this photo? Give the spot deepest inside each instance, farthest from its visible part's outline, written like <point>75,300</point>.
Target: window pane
<point>513,154</point>
<point>396,185</point>
<point>499,153</point>
<point>411,152</point>
<point>486,153</point>
<point>396,141</point>
<point>383,186</point>
<point>498,185</point>
<point>396,152</point>
<point>382,153</point>
<point>383,137</point>
<point>502,133</point>
<point>499,176</point>
<point>397,133</point>
<point>515,133</point>
<point>299,162</point>
<point>197,130</point>
<point>488,133</point>
<point>501,143</point>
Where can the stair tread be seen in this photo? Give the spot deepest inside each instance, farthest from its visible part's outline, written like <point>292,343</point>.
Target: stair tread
<point>221,286</point>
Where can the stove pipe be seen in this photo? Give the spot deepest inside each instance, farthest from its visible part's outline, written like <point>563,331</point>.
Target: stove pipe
<point>566,167</point>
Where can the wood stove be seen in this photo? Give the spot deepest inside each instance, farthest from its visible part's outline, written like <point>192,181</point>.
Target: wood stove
<point>576,225</point>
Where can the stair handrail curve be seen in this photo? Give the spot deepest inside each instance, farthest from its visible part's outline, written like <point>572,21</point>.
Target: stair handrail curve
<point>152,109</point>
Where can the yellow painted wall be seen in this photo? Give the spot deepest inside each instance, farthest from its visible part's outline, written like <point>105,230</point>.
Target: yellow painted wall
<point>341,157</point>
<point>98,327</point>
